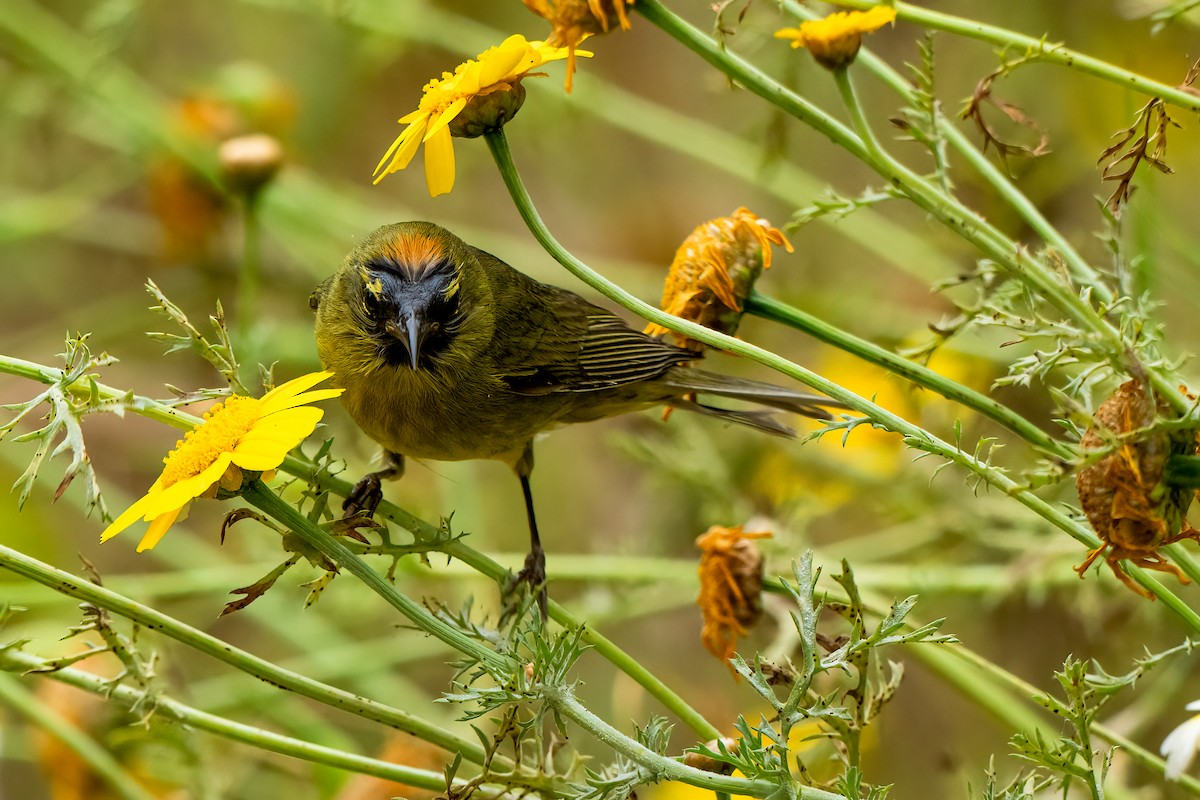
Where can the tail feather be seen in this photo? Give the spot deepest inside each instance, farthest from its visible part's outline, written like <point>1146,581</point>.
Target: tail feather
<point>767,394</point>
<point>764,421</point>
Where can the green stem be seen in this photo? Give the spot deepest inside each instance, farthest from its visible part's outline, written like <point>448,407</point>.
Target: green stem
<point>258,495</point>
<point>1047,51</point>
<point>99,760</point>
<point>12,660</point>
<point>858,117</point>
<point>776,311</point>
<point>67,584</point>
<point>914,436</point>
<point>1081,270</point>
<point>249,279</point>
<point>305,470</point>
<point>947,209</point>
<point>1030,693</point>
<point>564,702</point>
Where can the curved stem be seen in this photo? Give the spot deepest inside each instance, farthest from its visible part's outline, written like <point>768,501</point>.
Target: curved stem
<point>258,495</point>
<point>66,583</point>
<point>858,117</point>
<point>1046,51</point>
<point>484,565</point>
<point>944,207</point>
<point>164,707</point>
<point>663,768</point>
<point>768,308</point>
<point>914,436</point>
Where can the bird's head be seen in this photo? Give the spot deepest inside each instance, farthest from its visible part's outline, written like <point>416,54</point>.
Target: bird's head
<point>408,281</point>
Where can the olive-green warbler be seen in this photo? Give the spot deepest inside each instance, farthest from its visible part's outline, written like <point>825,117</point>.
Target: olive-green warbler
<point>448,353</point>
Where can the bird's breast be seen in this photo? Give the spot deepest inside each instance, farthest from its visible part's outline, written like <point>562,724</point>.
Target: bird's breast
<point>446,415</point>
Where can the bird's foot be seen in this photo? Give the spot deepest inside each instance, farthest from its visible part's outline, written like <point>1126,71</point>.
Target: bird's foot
<point>365,496</point>
<point>532,576</point>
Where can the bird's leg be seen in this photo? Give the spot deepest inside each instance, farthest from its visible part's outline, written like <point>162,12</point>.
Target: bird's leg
<point>534,572</point>
<point>367,493</point>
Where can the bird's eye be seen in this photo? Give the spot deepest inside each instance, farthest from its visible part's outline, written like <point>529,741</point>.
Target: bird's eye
<point>374,304</point>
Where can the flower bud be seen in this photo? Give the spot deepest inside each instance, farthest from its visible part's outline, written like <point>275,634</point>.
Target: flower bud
<point>249,162</point>
<point>489,110</point>
<point>835,40</point>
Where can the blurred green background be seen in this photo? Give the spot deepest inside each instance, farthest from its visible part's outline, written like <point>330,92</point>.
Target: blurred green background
<point>110,114</point>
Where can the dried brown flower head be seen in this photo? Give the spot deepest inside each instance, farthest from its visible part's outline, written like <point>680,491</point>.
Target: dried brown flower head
<point>714,271</point>
<point>730,600</point>
<point>575,20</point>
<point>1123,495</point>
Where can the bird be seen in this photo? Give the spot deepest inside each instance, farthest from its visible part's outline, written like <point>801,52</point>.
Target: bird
<point>447,353</point>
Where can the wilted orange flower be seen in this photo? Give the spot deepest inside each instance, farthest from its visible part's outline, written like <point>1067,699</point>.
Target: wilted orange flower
<point>1123,494</point>
<point>730,586</point>
<point>714,270</point>
<point>834,41</point>
<point>575,20</point>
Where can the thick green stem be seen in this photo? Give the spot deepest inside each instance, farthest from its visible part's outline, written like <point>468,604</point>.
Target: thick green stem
<point>67,584</point>
<point>1047,51</point>
<point>265,500</point>
<point>776,311</point>
<point>300,468</point>
<point>942,206</point>
<point>99,760</point>
<point>663,768</point>
<point>166,708</point>
<point>914,436</point>
<point>486,566</point>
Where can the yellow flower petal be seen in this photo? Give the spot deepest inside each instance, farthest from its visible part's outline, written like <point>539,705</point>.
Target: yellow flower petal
<point>503,61</point>
<point>127,518</point>
<point>402,150</point>
<point>158,528</point>
<point>439,163</point>
<point>179,493</point>
<point>443,119</point>
<point>304,398</point>
<point>294,387</point>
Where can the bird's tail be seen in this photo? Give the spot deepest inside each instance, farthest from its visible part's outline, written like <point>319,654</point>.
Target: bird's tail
<point>767,394</point>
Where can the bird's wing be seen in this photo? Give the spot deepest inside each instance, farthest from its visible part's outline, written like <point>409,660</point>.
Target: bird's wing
<point>575,346</point>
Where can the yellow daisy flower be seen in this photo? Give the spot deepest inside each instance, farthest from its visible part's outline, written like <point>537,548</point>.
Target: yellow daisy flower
<point>834,40</point>
<point>487,87</point>
<point>242,433</point>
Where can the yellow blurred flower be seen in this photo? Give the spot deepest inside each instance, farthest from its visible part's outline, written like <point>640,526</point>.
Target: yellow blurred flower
<point>243,433</point>
<point>487,86</point>
<point>575,20</point>
<point>730,598</point>
<point>834,41</point>
<point>714,271</point>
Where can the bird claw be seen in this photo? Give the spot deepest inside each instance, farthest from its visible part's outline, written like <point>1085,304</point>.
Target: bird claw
<point>532,575</point>
<point>365,496</point>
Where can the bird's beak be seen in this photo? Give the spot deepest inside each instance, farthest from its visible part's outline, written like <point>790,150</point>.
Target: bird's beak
<point>416,333</point>
<point>409,329</point>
